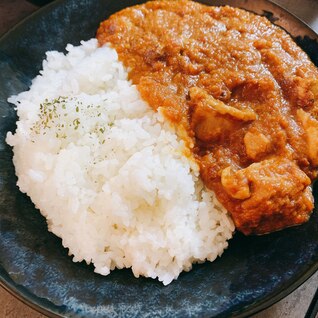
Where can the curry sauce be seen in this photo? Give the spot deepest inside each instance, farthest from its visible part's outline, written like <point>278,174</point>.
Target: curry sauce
<point>241,93</point>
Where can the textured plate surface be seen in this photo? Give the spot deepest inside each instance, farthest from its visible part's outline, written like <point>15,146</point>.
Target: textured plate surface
<point>252,274</point>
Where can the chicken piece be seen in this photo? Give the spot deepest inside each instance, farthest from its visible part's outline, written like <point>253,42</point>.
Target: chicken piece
<point>235,183</point>
<point>209,125</point>
<point>310,126</point>
<point>199,94</point>
<point>212,119</point>
<point>314,90</point>
<point>300,91</point>
<point>274,194</point>
<point>256,144</point>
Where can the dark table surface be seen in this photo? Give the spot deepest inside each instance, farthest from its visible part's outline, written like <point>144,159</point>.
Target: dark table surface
<point>293,306</point>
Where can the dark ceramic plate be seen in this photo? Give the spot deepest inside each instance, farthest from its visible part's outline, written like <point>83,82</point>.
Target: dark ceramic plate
<point>251,275</point>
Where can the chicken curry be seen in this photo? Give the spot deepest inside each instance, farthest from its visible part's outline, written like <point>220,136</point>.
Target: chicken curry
<point>242,95</point>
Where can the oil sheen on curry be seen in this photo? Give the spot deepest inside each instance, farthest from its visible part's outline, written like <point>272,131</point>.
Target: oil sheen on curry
<point>241,93</point>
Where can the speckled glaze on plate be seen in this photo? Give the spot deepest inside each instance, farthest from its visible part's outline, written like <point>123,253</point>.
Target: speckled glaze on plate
<point>251,275</point>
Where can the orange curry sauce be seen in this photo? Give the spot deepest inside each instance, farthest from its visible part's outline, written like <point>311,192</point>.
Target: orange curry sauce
<point>240,91</point>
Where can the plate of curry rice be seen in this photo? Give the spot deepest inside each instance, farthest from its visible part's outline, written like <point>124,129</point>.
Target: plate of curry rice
<point>158,158</point>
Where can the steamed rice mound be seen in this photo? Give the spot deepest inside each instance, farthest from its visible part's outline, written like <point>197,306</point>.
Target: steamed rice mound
<point>108,173</point>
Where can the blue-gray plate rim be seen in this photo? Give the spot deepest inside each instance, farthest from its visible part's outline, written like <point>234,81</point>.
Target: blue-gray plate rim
<point>48,300</point>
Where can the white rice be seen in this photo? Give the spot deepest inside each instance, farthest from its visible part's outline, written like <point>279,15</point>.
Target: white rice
<point>109,173</point>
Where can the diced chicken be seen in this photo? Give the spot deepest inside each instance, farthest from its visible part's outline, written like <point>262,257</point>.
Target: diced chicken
<point>256,144</point>
<point>212,118</point>
<point>314,89</point>
<point>235,183</point>
<point>310,126</point>
<point>199,94</point>
<point>275,194</point>
<point>210,126</point>
<point>301,92</point>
